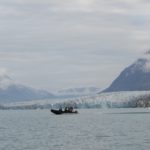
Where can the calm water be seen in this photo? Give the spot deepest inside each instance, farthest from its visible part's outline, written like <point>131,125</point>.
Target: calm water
<point>111,129</point>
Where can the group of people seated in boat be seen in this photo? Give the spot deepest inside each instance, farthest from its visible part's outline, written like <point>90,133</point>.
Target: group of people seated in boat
<point>67,109</point>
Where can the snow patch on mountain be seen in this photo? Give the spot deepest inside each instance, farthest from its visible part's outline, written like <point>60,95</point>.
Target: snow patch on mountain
<point>146,67</point>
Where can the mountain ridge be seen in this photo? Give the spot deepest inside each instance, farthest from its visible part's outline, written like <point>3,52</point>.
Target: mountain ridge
<point>18,92</point>
<point>136,77</point>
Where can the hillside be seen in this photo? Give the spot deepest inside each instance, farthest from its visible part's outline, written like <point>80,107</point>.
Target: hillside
<point>133,78</point>
<point>15,92</point>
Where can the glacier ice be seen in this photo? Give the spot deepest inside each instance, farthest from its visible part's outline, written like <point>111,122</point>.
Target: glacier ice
<point>103,100</point>
<point>106,100</point>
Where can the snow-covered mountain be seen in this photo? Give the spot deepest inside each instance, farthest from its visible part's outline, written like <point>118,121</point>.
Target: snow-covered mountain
<point>12,92</point>
<point>21,93</point>
<point>76,92</point>
<point>133,78</point>
<point>15,92</point>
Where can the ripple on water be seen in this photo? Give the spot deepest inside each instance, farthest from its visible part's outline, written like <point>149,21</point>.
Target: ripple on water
<point>90,129</point>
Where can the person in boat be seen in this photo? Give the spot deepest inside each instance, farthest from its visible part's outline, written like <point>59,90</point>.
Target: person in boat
<point>70,109</point>
<point>60,109</point>
<point>66,109</point>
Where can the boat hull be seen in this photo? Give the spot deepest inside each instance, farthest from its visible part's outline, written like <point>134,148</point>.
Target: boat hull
<point>59,112</point>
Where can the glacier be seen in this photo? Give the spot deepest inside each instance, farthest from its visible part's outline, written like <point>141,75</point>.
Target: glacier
<point>125,99</point>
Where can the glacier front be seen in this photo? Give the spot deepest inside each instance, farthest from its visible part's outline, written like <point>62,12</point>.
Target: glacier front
<point>110,100</point>
<point>125,99</point>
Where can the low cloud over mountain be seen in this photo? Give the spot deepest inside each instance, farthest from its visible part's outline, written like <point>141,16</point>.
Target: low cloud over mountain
<point>15,93</point>
<point>76,92</point>
<point>12,92</point>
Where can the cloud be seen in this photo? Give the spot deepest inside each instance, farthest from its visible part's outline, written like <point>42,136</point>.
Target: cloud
<point>147,52</point>
<point>5,79</point>
<point>3,73</point>
<point>46,39</point>
<point>147,66</point>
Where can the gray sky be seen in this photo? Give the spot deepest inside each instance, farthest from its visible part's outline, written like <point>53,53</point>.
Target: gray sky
<point>56,44</point>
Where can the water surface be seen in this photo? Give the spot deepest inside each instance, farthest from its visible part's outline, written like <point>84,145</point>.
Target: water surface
<point>91,129</point>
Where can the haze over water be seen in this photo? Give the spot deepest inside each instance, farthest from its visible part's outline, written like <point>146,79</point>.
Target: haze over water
<point>91,129</point>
